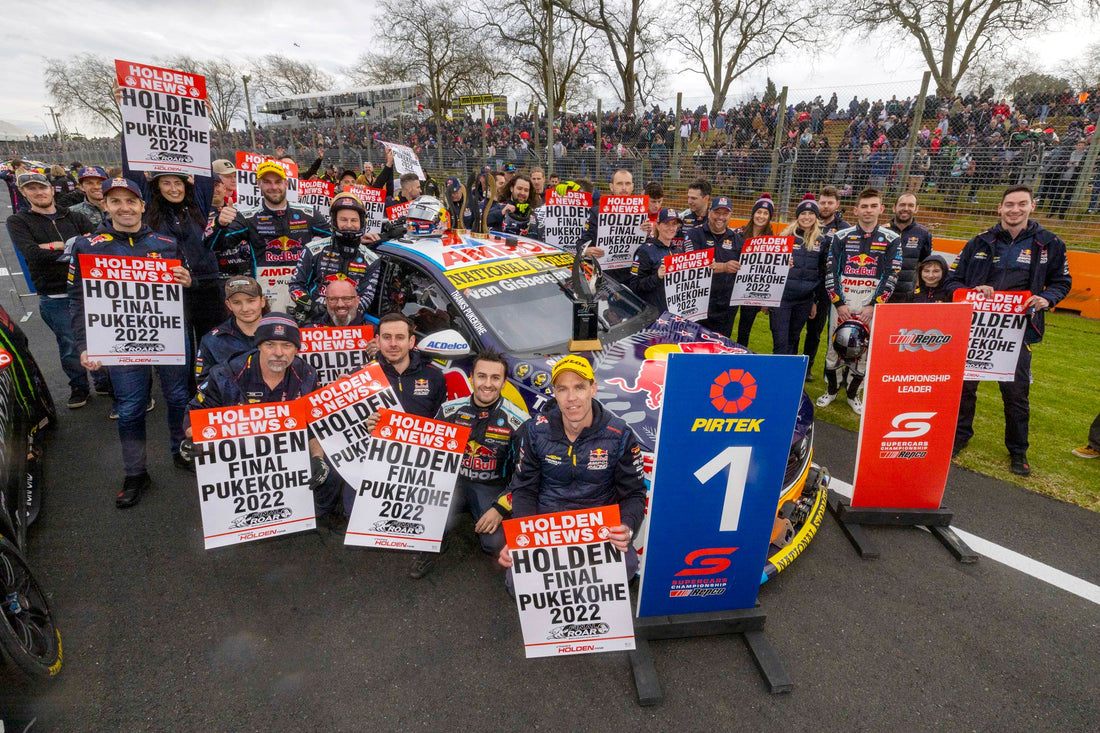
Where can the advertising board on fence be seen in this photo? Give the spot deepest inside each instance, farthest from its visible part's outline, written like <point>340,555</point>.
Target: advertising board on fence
<point>913,386</point>
<point>996,333</point>
<point>619,229</point>
<point>164,119</point>
<point>765,263</point>
<point>252,466</point>
<point>687,283</point>
<point>564,217</point>
<point>337,351</point>
<point>249,195</point>
<point>133,310</point>
<point>408,479</point>
<point>570,583</point>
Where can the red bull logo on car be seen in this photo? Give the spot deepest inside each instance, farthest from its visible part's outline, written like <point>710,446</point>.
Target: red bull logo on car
<point>650,381</point>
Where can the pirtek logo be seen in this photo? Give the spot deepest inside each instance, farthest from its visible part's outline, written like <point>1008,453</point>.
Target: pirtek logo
<point>915,340</point>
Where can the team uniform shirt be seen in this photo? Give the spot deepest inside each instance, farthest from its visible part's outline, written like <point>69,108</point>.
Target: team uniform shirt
<point>240,382</point>
<point>232,261</point>
<point>862,267</point>
<point>690,220</point>
<point>643,271</point>
<point>421,388</point>
<point>220,346</point>
<point>727,248</point>
<point>274,237</point>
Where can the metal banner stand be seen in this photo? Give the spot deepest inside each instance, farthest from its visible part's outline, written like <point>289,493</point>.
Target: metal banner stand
<point>16,298</point>
<point>937,521</point>
<point>748,622</point>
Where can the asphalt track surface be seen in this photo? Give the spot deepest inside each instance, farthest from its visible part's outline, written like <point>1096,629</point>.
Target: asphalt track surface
<point>301,632</point>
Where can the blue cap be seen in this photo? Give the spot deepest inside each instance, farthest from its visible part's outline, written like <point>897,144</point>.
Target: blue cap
<point>721,202</point>
<point>668,215</point>
<point>126,183</point>
<point>91,171</point>
<point>453,184</point>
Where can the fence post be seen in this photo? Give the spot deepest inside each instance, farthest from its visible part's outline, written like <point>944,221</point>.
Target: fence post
<point>1087,170</point>
<point>914,132</point>
<point>484,144</point>
<point>676,137</point>
<point>439,137</point>
<point>599,140</point>
<point>780,135</point>
<point>549,139</point>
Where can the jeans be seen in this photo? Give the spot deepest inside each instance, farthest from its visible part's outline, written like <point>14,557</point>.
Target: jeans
<point>55,314</point>
<point>132,386</point>
<point>786,323</point>
<point>1017,411</point>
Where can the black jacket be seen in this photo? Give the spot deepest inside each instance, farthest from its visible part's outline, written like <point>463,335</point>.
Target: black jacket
<point>727,248</point>
<point>806,279</point>
<point>643,271</point>
<point>916,246</point>
<point>421,388</point>
<point>29,229</point>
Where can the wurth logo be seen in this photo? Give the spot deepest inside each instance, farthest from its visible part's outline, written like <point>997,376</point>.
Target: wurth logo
<point>915,340</point>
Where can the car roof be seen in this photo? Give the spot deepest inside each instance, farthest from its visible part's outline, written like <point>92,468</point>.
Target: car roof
<point>454,251</point>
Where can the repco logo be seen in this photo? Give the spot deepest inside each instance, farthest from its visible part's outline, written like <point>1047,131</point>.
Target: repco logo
<point>915,340</point>
<point>709,561</point>
<point>911,425</point>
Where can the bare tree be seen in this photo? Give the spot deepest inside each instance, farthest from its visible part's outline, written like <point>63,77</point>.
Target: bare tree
<point>84,85</point>
<point>953,34</point>
<point>724,39</point>
<point>275,75</point>
<point>224,89</point>
<point>1085,70</point>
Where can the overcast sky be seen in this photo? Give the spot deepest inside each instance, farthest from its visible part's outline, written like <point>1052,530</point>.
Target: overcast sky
<point>138,30</point>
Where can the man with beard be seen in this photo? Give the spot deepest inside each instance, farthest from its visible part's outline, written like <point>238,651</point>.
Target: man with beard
<point>915,242</point>
<point>341,306</point>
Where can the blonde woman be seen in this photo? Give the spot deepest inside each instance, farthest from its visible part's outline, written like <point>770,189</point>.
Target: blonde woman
<point>806,280</point>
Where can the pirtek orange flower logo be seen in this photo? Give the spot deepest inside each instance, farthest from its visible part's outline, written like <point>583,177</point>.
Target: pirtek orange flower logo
<point>733,391</point>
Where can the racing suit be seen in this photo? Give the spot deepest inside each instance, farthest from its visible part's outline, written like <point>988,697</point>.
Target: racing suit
<point>224,342</point>
<point>862,270</point>
<point>916,246</point>
<point>690,220</point>
<point>727,248</point>
<point>330,259</point>
<point>1034,260</point>
<point>488,463</point>
<point>131,383</point>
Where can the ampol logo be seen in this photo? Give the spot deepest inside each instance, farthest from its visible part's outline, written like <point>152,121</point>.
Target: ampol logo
<point>733,391</point>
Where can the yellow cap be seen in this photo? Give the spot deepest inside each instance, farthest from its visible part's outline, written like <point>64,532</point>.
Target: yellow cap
<point>270,166</point>
<point>576,364</point>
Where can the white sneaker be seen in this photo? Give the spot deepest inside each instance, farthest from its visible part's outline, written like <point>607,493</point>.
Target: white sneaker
<point>825,400</point>
<point>856,404</point>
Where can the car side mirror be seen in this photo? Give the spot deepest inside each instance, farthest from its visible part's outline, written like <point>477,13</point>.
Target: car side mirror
<point>447,344</point>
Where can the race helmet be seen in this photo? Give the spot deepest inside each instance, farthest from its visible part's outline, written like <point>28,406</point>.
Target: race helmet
<point>850,340</point>
<point>427,217</point>
<point>342,202</point>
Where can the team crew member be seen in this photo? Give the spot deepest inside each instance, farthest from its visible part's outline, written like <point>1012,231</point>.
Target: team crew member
<point>343,256</point>
<point>1015,254</point>
<point>459,205</point>
<point>512,215</point>
<point>90,179</point>
<point>698,195</point>
<point>577,455</point>
<point>341,306</point>
<point>805,281</point>
<point>716,234</point>
<point>482,486</point>
<point>915,242</point>
<point>410,190</point>
<point>420,387</point>
<point>647,272</point>
<point>758,225</point>
<point>276,232</point>
<point>246,303</point>
<point>40,234</point>
<point>831,221</point>
<point>622,184</point>
<point>862,269</point>
<point>127,236</point>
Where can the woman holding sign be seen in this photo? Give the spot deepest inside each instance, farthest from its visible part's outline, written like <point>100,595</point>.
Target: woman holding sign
<point>805,281</point>
<point>758,225</point>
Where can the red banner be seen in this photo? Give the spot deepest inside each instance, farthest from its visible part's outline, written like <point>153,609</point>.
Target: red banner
<point>914,384</point>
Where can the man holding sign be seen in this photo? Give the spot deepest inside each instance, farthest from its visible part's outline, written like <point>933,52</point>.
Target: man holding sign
<point>1015,255</point>
<point>127,239</point>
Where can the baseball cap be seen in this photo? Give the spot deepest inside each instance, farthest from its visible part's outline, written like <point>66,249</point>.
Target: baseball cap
<point>277,327</point>
<point>33,177</point>
<point>668,215</point>
<point>113,183</point>
<point>573,363</point>
<point>721,202</point>
<point>91,171</point>
<point>270,166</point>
<point>243,284</point>
<point>453,184</point>
<point>509,168</point>
<point>222,167</point>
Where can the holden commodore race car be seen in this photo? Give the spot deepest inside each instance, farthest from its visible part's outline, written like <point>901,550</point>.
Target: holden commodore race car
<point>465,293</point>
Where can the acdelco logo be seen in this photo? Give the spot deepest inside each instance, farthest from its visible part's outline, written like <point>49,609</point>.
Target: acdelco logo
<point>915,340</point>
<point>711,561</point>
<point>911,425</point>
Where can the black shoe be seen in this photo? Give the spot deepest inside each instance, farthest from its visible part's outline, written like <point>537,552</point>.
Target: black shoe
<point>103,389</point>
<point>78,398</point>
<point>422,564</point>
<point>957,449</point>
<point>183,463</point>
<point>1020,466</point>
<point>132,486</point>
<point>809,377</point>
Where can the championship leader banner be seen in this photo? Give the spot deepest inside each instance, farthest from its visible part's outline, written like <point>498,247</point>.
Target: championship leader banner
<point>718,471</point>
<point>408,480</point>
<point>619,229</point>
<point>913,387</point>
<point>133,310</point>
<point>249,195</point>
<point>996,333</point>
<point>317,194</point>
<point>374,200</point>
<point>564,217</point>
<point>687,283</point>
<point>336,351</point>
<point>570,583</point>
<point>253,471</point>
<point>164,119</point>
<point>765,263</point>
<point>405,160</point>
<point>338,413</point>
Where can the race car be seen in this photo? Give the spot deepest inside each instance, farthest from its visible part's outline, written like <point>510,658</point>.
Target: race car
<point>514,294</point>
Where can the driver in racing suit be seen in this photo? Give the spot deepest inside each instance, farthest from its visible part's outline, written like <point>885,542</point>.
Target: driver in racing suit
<point>863,266</point>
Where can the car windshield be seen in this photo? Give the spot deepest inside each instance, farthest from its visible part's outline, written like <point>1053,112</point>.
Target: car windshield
<point>533,313</point>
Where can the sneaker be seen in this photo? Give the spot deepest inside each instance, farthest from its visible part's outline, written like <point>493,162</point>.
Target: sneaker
<point>132,486</point>
<point>78,398</point>
<point>856,404</point>
<point>113,415</point>
<point>181,462</point>
<point>826,399</point>
<point>103,389</point>
<point>1086,452</point>
<point>1020,466</point>
<point>423,563</point>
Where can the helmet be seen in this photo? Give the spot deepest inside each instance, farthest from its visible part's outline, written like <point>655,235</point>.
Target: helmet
<point>344,201</point>
<point>850,340</point>
<point>427,217</point>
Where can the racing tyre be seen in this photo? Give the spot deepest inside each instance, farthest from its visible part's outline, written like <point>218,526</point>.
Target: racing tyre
<point>27,630</point>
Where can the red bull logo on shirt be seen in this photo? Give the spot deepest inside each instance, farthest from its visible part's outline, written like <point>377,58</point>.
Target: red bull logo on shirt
<point>861,264</point>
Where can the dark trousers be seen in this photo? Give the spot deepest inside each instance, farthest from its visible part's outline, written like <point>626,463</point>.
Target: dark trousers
<point>746,315</point>
<point>1015,397</point>
<point>814,327</point>
<point>1094,434</point>
<point>786,323</point>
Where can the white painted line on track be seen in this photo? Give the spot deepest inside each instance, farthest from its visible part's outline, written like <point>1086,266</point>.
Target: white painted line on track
<point>1016,561</point>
